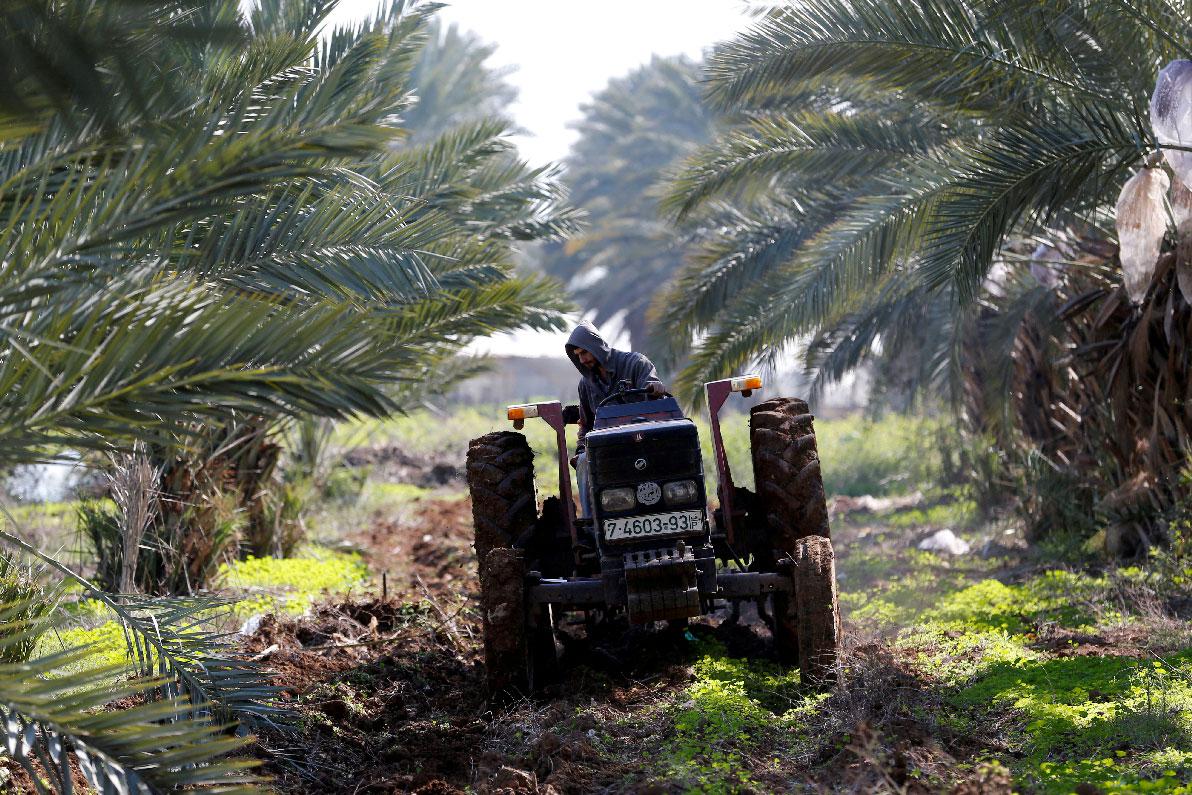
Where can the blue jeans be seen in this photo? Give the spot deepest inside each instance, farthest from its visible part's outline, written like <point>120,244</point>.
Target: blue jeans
<point>581,480</point>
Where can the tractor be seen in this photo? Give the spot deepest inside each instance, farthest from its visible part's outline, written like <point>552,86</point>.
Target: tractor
<point>651,551</point>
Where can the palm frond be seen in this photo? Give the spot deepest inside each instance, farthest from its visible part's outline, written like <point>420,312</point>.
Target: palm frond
<point>170,639</point>
<point>53,721</point>
<point>1025,174</point>
<point>838,146</point>
<point>940,50</point>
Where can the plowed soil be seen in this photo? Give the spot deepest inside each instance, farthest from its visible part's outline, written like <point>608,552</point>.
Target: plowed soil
<point>390,695</point>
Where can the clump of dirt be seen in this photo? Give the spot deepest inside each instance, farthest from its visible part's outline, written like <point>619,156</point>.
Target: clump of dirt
<point>384,695</point>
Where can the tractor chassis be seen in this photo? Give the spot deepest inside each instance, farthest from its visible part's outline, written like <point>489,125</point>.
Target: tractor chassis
<point>587,592</point>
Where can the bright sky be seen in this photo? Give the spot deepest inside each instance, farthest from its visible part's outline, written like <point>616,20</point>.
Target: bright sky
<point>566,50</point>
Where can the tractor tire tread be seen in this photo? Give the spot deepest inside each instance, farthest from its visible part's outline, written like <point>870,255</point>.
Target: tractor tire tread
<point>500,471</point>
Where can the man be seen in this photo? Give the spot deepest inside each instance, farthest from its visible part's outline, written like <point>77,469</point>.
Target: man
<point>603,368</point>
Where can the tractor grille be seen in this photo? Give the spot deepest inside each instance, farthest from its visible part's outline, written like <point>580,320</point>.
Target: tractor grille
<point>665,459</point>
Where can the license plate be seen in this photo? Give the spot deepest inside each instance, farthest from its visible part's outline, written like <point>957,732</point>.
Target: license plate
<point>659,524</point>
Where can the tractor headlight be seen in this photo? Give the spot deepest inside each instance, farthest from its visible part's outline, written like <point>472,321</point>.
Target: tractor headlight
<point>617,499</point>
<point>679,492</point>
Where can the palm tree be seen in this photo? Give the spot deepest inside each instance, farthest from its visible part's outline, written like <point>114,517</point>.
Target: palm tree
<point>631,133</point>
<point>251,214</point>
<point>204,221</point>
<point>896,170</point>
<point>453,85</point>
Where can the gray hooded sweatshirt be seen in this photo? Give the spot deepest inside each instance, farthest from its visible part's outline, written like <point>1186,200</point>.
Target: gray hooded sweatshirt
<point>621,366</point>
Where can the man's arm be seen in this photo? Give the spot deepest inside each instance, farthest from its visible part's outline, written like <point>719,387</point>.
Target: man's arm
<point>645,376</point>
<point>585,412</point>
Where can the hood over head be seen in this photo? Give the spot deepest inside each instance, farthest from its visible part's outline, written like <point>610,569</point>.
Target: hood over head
<point>587,337</point>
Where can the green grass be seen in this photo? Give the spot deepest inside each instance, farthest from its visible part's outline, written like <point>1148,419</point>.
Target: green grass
<point>732,706</point>
<point>289,585</point>
<point>955,514</point>
<point>1123,724</point>
<point>423,432</point>
<point>1116,722</point>
<point>892,455</point>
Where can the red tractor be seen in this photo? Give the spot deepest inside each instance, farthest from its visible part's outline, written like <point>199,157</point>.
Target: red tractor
<point>651,551</point>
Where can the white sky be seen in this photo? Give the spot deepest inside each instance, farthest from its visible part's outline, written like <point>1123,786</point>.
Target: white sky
<point>566,50</point>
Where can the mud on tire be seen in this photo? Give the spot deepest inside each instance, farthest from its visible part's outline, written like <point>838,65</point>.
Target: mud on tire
<point>790,515</point>
<point>500,473</point>
<point>502,607</point>
<point>816,612</point>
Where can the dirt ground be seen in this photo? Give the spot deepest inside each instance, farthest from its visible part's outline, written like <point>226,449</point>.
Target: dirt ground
<point>390,696</point>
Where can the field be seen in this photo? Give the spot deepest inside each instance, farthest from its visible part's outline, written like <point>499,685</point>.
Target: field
<point>994,670</point>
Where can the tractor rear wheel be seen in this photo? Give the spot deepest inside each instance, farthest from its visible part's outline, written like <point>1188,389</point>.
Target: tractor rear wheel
<point>501,481</point>
<point>789,513</point>
<point>786,471</point>
<point>519,638</point>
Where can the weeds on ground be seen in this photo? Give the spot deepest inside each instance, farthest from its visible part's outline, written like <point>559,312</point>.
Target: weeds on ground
<point>1105,721</point>
<point>291,585</point>
<point>732,712</point>
<point>1121,723</point>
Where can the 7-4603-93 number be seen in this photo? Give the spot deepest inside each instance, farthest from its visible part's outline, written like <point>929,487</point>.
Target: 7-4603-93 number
<point>659,524</point>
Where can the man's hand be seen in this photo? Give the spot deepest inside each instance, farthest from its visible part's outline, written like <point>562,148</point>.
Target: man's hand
<point>657,390</point>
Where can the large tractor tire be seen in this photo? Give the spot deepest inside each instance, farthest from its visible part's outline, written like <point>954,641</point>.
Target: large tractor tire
<point>790,515</point>
<point>519,639</point>
<point>786,471</point>
<point>501,480</point>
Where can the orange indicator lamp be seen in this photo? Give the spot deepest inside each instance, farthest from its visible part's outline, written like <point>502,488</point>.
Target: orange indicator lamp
<point>746,383</point>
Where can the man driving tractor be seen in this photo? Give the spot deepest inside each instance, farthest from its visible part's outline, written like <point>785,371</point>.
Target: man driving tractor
<point>603,369</point>
<point>650,548</point>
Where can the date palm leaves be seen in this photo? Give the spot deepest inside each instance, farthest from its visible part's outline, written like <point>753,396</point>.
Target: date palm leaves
<point>898,173</point>
<point>247,237</point>
<point>208,213</point>
<point>885,141</point>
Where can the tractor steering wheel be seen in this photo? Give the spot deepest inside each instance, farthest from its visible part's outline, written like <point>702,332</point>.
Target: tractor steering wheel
<point>623,393</point>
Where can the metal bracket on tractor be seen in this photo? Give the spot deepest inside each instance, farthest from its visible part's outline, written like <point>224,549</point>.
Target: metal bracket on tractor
<point>648,551</point>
